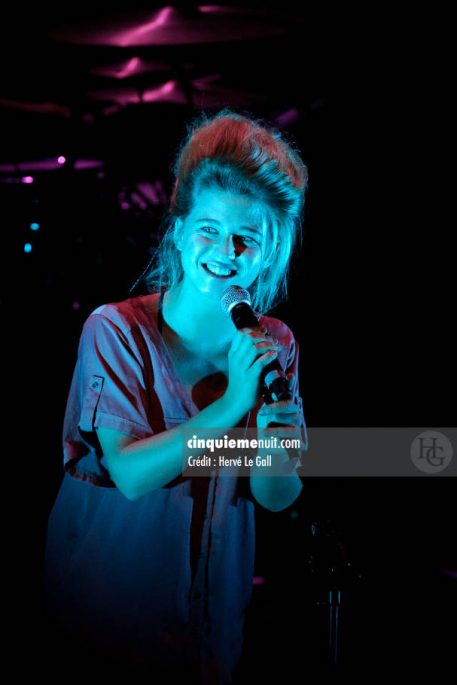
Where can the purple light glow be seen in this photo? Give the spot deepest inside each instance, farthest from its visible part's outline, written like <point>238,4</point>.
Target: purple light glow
<point>61,159</point>
<point>136,35</point>
<point>287,118</point>
<point>130,67</point>
<point>169,91</point>
<point>27,179</point>
<point>87,164</point>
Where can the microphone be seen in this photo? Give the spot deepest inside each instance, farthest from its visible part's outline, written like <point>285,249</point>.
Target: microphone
<point>236,301</point>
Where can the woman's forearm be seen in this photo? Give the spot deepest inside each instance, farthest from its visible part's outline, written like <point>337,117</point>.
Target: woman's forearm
<point>275,492</point>
<point>149,464</point>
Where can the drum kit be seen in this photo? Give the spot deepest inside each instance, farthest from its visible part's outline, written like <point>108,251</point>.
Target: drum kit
<point>167,56</point>
<point>173,30</point>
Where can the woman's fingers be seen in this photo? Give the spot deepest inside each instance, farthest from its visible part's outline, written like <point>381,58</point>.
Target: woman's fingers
<point>292,381</point>
<point>249,342</point>
<point>264,359</point>
<point>251,350</point>
<point>280,432</point>
<point>285,407</point>
<point>253,345</point>
<point>285,413</point>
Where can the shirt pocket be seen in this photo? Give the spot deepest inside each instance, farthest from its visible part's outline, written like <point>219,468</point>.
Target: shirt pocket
<point>91,398</point>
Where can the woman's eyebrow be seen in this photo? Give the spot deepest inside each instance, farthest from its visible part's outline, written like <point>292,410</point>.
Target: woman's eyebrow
<point>244,228</point>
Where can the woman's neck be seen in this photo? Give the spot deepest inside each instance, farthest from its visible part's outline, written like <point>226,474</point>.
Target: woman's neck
<point>200,324</point>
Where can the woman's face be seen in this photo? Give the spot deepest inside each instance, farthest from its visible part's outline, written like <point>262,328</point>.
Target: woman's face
<point>221,242</point>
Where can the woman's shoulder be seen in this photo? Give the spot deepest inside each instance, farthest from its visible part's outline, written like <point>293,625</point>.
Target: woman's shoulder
<point>129,313</point>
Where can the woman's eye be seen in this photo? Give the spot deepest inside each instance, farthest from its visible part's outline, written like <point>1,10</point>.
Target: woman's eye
<point>247,240</point>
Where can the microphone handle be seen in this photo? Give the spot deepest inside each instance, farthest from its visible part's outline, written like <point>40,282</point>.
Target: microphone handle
<point>243,316</point>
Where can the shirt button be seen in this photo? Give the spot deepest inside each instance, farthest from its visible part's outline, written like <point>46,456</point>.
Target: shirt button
<point>95,384</point>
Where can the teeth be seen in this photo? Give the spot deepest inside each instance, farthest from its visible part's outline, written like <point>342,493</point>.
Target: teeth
<point>218,270</point>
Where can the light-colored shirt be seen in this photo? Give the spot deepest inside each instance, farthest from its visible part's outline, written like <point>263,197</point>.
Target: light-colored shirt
<point>119,572</point>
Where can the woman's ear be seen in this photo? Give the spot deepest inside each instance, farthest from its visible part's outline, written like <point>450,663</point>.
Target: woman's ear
<point>177,233</point>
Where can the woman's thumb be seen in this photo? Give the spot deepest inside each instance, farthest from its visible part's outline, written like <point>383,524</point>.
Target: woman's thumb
<point>292,380</point>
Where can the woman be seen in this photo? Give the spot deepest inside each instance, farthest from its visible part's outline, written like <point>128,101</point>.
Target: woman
<point>145,566</point>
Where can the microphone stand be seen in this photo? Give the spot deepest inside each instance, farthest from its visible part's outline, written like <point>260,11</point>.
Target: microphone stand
<point>327,564</point>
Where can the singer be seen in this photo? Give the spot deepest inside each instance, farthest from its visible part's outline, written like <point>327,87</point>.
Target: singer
<point>147,570</point>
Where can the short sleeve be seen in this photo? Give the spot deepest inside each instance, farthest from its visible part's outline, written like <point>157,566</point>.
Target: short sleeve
<point>113,383</point>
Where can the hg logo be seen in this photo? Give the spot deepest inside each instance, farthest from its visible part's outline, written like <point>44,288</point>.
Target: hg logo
<point>431,452</point>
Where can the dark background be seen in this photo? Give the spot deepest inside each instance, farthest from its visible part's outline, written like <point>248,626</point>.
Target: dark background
<point>370,298</point>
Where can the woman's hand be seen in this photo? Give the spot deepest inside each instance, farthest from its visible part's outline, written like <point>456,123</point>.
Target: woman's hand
<point>251,350</point>
<point>282,420</point>
<point>285,417</point>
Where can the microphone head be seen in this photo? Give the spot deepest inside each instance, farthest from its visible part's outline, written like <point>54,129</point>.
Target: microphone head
<point>233,295</point>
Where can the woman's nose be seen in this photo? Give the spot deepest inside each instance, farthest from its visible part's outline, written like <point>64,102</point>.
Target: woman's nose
<point>228,246</point>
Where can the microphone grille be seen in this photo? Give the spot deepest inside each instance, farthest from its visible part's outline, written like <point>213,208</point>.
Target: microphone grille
<point>233,295</point>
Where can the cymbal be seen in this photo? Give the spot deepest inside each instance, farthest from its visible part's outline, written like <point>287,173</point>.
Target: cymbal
<point>170,91</point>
<point>176,26</point>
<point>203,92</point>
<point>38,107</point>
<point>133,66</point>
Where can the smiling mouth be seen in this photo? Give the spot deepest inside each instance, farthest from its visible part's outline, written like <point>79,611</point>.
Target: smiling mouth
<point>216,275</point>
